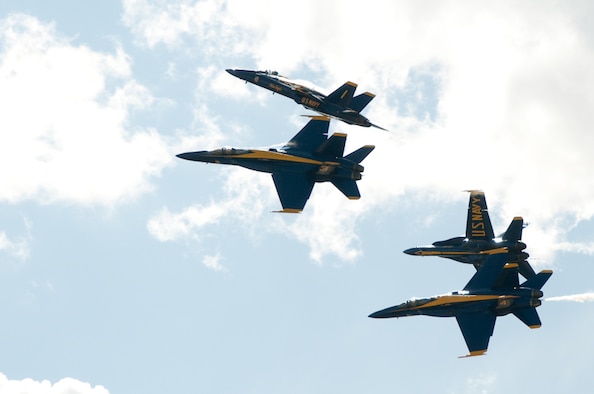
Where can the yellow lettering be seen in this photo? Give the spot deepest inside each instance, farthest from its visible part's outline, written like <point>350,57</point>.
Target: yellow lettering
<point>309,102</point>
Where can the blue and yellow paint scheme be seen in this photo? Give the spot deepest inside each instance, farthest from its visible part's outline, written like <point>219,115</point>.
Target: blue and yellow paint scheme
<point>480,239</point>
<point>342,104</point>
<point>309,157</point>
<point>493,291</point>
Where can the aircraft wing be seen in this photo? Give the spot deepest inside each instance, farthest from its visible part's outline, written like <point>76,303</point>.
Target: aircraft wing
<point>343,95</point>
<point>478,223</point>
<point>293,190</point>
<point>477,328</point>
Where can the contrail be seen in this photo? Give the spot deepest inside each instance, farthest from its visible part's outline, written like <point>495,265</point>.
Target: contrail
<point>585,297</point>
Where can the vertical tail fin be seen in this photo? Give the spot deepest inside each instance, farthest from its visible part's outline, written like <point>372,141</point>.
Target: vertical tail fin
<point>333,146</point>
<point>478,223</point>
<point>312,135</point>
<point>514,231</point>
<point>343,95</point>
<point>359,102</point>
<point>488,272</point>
<point>360,154</point>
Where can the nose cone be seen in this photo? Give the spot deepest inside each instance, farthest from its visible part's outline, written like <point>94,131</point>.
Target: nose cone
<point>194,156</point>
<point>412,251</point>
<point>386,313</point>
<point>246,75</point>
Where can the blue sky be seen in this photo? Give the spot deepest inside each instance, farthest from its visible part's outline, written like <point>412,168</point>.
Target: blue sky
<point>126,270</point>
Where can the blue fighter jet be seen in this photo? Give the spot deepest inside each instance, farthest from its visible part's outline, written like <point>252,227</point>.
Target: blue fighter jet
<point>493,291</point>
<point>341,104</point>
<point>480,238</point>
<point>309,157</point>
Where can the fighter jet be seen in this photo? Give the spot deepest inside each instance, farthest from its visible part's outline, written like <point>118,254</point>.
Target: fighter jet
<point>493,291</point>
<point>309,157</point>
<point>480,238</point>
<point>339,104</point>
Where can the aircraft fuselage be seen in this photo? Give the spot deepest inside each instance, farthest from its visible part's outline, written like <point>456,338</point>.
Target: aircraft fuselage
<point>471,251</point>
<point>309,98</point>
<point>457,303</point>
<point>272,161</point>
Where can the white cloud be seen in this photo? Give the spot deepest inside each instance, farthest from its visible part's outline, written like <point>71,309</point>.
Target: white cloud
<point>482,384</point>
<point>248,196</point>
<point>213,262</point>
<point>63,386</point>
<point>66,133</point>
<point>511,100</point>
<point>19,249</point>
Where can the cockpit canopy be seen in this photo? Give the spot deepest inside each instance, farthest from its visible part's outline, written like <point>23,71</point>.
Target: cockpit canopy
<point>230,151</point>
<point>416,302</point>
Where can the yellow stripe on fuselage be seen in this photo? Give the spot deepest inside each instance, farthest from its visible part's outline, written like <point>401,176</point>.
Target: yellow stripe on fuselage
<point>275,156</point>
<point>457,299</point>
<point>460,252</point>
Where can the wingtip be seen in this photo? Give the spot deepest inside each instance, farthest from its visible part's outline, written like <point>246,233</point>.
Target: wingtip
<point>288,210</point>
<point>318,117</point>
<point>474,353</point>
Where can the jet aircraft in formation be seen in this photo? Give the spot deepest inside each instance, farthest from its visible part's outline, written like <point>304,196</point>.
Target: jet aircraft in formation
<point>493,291</point>
<point>341,104</point>
<point>480,239</point>
<point>309,157</point>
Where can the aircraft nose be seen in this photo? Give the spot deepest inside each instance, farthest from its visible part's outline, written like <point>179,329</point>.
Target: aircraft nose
<point>385,313</point>
<point>411,251</point>
<point>241,74</point>
<point>193,156</point>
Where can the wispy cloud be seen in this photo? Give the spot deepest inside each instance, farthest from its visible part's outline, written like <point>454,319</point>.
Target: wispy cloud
<point>18,248</point>
<point>584,297</point>
<point>65,385</point>
<point>213,262</point>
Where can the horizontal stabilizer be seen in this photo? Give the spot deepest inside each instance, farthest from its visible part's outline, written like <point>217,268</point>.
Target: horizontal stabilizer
<point>360,154</point>
<point>514,231</point>
<point>538,280</point>
<point>348,187</point>
<point>333,146</point>
<point>359,102</point>
<point>526,269</point>
<point>343,95</point>
<point>529,317</point>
